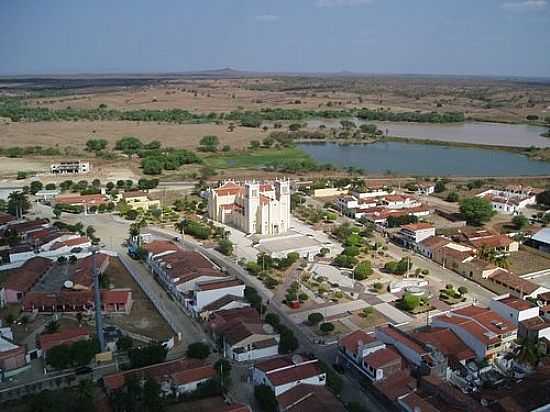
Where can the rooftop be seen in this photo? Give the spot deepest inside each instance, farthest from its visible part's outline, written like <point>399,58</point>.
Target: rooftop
<point>516,303</point>
<point>25,276</point>
<point>513,281</point>
<point>351,341</point>
<point>309,398</point>
<point>402,337</point>
<point>434,242</point>
<point>446,341</point>
<point>286,369</point>
<point>414,227</point>
<point>382,357</point>
<point>50,340</point>
<point>133,194</point>
<point>159,246</point>
<point>218,284</point>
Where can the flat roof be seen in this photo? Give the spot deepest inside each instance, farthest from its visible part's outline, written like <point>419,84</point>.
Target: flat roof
<point>287,243</point>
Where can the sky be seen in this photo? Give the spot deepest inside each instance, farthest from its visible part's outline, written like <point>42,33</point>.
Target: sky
<point>463,37</point>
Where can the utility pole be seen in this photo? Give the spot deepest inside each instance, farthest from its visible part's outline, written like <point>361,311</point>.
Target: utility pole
<point>98,316</point>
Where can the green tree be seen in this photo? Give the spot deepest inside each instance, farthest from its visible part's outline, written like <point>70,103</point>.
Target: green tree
<point>326,327</point>
<point>520,222</point>
<point>151,166</point>
<point>147,355</point>
<point>96,145</point>
<point>59,357</point>
<point>453,197</point>
<point>363,270</point>
<point>18,202</point>
<point>209,143</point>
<point>129,145</point>
<point>440,186</point>
<point>152,400</point>
<point>476,210</point>
<point>266,399</point>
<point>409,302</point>
<point>35,186</point>
<point>198,350</point>
<point>543,198</point>
<point>225,246</point>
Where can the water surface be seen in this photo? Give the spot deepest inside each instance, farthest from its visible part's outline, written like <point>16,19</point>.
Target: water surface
<point>424,159</point>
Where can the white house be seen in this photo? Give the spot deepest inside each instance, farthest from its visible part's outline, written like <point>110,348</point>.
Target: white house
<point>514,309</point>
<point>208,292</point>
<point>484,331</point>
<point>400,202</point>
<point>284,373</point>
<point>244,341</point>
<point>415,233</point>
<point>425,189</point>
<point>510,200</point>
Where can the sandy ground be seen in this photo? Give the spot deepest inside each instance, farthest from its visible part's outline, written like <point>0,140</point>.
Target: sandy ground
<point>62,134</point>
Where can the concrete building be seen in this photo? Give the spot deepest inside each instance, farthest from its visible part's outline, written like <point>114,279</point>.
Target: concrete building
<point>175,377</point>
<point>541,240</point>
<point>21,280</point>
<point>13,358</point>
<point>244,341</point>
<point>70,167</point>
<point>205,293</point>
<point>514,309</point>
<point>137,199</point>
<point>262,208</point>
<point>286,372</point>
<point>64,337</point>
<point>411,235</point>
<point>484,331</point>
<point>511,199</point>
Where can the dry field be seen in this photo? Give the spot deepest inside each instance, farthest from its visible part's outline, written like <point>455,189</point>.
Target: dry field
<point>481,99</point>
<point>62,134</point>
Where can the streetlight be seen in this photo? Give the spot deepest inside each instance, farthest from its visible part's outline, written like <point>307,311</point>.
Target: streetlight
<point>98,317</point>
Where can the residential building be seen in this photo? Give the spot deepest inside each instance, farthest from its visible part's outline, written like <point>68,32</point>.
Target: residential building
<point>286,372</point>
<point>425,189</point>
<point>380,215</point>
<point>244,341</point>
<point>427,246</point>
<point>368,355</point>
<point>70,167</point>
<point>218,320</point>
<point>372,189</point>
<point>413,351</point>
<point>87,202</point>
<point>12,357</point>
<point>311,398</point>
<point>205,293</point>
<point>22,279</point>
<point>488,241</point>
<point>447,343</point>
<point>400,202</point>
<point>541,240</point>
<point>503,281</point>
<point>262,208</point>
<point>411,235</point>
<point>511,199</point>
<point>75,301</point>
<point>82,271</point>
<point>64,337</point>
<point>225,304</point>
<point>484,331</point>
<point>514,309</point>
<point>175,377</point>
<point>535,328</point>
<point>137,199</point>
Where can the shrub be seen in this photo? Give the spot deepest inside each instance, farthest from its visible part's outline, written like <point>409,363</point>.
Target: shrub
<point>363,270</point>
<point>315,318</point>
<point>198,350</point>
<point>326,327</point>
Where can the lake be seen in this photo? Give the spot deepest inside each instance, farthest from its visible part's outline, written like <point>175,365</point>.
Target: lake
<point>499,134</point>
<point>426,160</point>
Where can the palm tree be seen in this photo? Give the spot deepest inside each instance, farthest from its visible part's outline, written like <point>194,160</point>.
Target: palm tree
<point>529,352</point>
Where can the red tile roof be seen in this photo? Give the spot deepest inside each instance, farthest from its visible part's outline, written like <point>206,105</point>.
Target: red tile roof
<point>309,398</point>
<point>413,227</point>
<point>76,241</point>
<point>396,385</point>
<point>480,322</point>
<point>69,299</point>
<point>402,337</point>
<point>186,376</point>
<point>513,281</point>
<point>219,284</point>
<point>517,303</point>
<point>159,246</point>
<point>66,336</point>
<point>414,402</point>
<point>446,341</point>
<point>283,370</point>
<point>81,199</point>
<point>158,371</point>
<point>352,340</point>
<point>434,242</point>
<point>24,277</point>
<point>82,272</point>
<point>6,218</point>
<point>223,301</point>
<point>491,242</point>
<point>382,358</point>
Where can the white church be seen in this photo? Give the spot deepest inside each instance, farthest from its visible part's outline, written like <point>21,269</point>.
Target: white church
<point>252,207</point>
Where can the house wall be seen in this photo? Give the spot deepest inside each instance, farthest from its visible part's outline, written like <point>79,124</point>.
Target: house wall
<point>254,353</point>
<point>511,314</point>
<point>261,378</point>
<point>203,298</point>
<point>189,387</point>
<point>329,192</point>
<point>408,353</point>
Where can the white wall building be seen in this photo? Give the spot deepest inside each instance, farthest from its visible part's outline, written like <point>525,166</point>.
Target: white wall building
<point>514,309</point>
<point>262,208</point>
<point>510,200</point>
<point>208,292</point>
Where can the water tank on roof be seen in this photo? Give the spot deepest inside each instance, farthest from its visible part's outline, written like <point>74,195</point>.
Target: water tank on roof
<point>68,284</point>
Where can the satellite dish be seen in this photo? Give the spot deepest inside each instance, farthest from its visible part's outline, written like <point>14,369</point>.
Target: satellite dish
<point>68,284</point>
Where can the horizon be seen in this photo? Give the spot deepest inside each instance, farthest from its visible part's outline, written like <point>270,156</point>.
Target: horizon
<point>498,38</point>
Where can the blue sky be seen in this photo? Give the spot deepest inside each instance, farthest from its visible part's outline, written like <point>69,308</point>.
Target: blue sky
<point>487,37</point>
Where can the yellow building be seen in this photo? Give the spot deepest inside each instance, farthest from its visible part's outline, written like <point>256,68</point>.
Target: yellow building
<point>137,199</point>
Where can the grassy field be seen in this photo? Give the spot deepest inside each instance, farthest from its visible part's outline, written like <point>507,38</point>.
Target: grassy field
<point>251,159</point>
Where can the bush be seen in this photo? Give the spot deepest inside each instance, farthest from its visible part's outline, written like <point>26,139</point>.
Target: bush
<point>345,261</point>
<point>363,270</point>
<point>225,246</point>
<point>198,350</point>
<point>302,297</point>
<point>273,319</point>
<point>453,197</point>
<point>315,318</point>
<point>326,327</point>
<point>266,399</point>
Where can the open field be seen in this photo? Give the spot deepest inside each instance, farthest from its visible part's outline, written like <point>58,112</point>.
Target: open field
<point>257,158</point>
<point>62,134</point>
<point>480,98</point>
<point>144,318</point>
